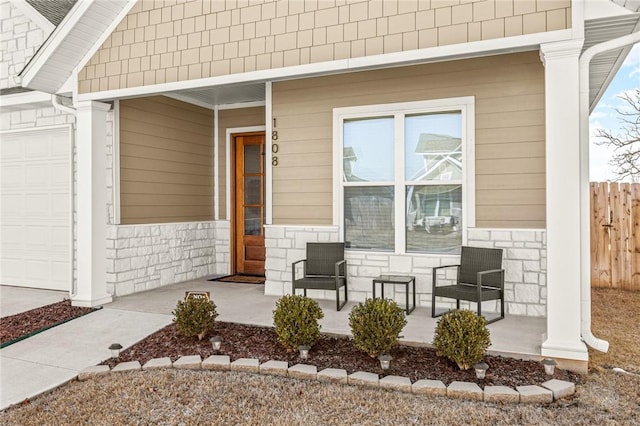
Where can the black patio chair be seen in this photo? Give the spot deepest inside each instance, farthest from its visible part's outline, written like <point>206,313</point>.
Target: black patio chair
<point>480,277</point>
<point>324,269</point>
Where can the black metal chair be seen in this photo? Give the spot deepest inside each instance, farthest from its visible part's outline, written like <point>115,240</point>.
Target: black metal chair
<point>480,278</point>
<point>324,269</point>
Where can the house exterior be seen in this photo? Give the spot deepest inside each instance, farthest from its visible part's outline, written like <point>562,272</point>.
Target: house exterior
<point>215,137</point>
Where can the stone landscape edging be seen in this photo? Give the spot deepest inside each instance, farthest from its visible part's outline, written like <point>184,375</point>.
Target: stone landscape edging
<point>547,392</point>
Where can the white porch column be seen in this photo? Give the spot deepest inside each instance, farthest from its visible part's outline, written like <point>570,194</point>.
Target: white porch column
<point>562,120</point>
<point>92,204</point>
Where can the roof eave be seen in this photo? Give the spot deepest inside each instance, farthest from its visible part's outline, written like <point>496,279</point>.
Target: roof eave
<point>41,73</point>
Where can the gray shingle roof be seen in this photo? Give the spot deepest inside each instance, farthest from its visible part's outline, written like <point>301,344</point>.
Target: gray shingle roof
<point>14,90</point>
<point>53,10</point>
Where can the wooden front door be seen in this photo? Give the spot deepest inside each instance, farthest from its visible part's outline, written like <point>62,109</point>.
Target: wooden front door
<point>249,204</point>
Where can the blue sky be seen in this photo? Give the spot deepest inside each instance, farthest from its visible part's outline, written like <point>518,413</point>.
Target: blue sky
<point>604,115</point>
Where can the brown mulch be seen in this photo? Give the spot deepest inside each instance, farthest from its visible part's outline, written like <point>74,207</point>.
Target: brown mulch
<point>245,341</point>
<point>28,322</point>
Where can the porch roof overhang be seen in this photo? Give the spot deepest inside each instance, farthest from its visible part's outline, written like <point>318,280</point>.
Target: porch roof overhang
<point>248,94</point>
<point>71,44</point>
<point>90,22</point>
<point>605,66</point>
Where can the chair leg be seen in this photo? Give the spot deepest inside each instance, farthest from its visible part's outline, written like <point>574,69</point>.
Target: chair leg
<point>338,304</point>
<point>501,313</point>
<point>433,303</point>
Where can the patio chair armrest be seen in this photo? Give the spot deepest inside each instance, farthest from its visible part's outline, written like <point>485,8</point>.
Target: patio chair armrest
<point>293,268</point>
<point>435,270</point>
<point>488,272</point>
<point>338,264</point>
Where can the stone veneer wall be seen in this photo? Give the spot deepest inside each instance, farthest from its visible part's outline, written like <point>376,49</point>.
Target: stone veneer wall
<point>142,257</point>
<point>524,263</point>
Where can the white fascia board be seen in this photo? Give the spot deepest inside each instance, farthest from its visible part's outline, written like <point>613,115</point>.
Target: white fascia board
<point>34,15</point>
<point>9,102</point>
<point>435,54</point>
<point>239,105</point>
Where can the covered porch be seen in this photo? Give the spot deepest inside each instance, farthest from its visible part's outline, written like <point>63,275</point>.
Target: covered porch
<point>515,336</point>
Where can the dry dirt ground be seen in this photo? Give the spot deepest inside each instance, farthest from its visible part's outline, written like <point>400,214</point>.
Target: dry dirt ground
<point>616,318</point>
<point>184,397</point>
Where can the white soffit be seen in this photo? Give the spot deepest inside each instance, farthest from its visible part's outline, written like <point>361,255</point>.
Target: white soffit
<point>209,97</point>
<point>85,27</point>
<point>604,67</point>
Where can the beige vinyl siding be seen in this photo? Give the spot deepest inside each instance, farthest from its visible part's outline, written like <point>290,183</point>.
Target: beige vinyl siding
<point>510,163</point>
<point>166,161</point>
<point>167,41</point>
<point>228,119</point>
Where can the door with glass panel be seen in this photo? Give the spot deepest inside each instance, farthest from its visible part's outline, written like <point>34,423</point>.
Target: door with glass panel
<point>249,204</point>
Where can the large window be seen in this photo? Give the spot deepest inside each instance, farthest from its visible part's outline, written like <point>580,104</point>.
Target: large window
<point>404,181</point>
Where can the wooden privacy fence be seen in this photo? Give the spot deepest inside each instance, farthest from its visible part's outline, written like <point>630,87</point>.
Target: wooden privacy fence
<point>615,235</point>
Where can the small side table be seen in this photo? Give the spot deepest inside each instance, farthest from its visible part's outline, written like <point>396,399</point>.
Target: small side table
<point>398,279</point>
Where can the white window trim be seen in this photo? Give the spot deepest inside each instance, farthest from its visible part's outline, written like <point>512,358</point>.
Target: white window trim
<point>466,105</point>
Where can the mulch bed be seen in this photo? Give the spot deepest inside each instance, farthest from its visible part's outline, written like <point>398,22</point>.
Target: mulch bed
<point>246,341</point>
<point>25,323</point>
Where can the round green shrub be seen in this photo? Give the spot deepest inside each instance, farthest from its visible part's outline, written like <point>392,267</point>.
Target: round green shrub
<point>195,317</point>
<point>463,337</point>
<point>376,325</point>
<point>296,321</point>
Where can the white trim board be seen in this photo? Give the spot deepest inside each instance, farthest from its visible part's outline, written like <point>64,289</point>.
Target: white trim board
<point>268,113</point>
<point>115,162</point>
<point>19,101</point>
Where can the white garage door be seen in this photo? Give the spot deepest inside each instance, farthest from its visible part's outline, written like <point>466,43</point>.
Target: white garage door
<point>35,212</point>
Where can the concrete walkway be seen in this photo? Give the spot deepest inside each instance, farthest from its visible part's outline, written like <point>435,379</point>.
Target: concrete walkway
<point>49,359</point>
<point>53,357</point>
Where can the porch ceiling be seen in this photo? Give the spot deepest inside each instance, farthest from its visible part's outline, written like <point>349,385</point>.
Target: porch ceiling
<point>209,97</point>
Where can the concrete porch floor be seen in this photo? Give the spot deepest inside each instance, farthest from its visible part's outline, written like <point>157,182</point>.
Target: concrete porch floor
<point>514,336</point>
